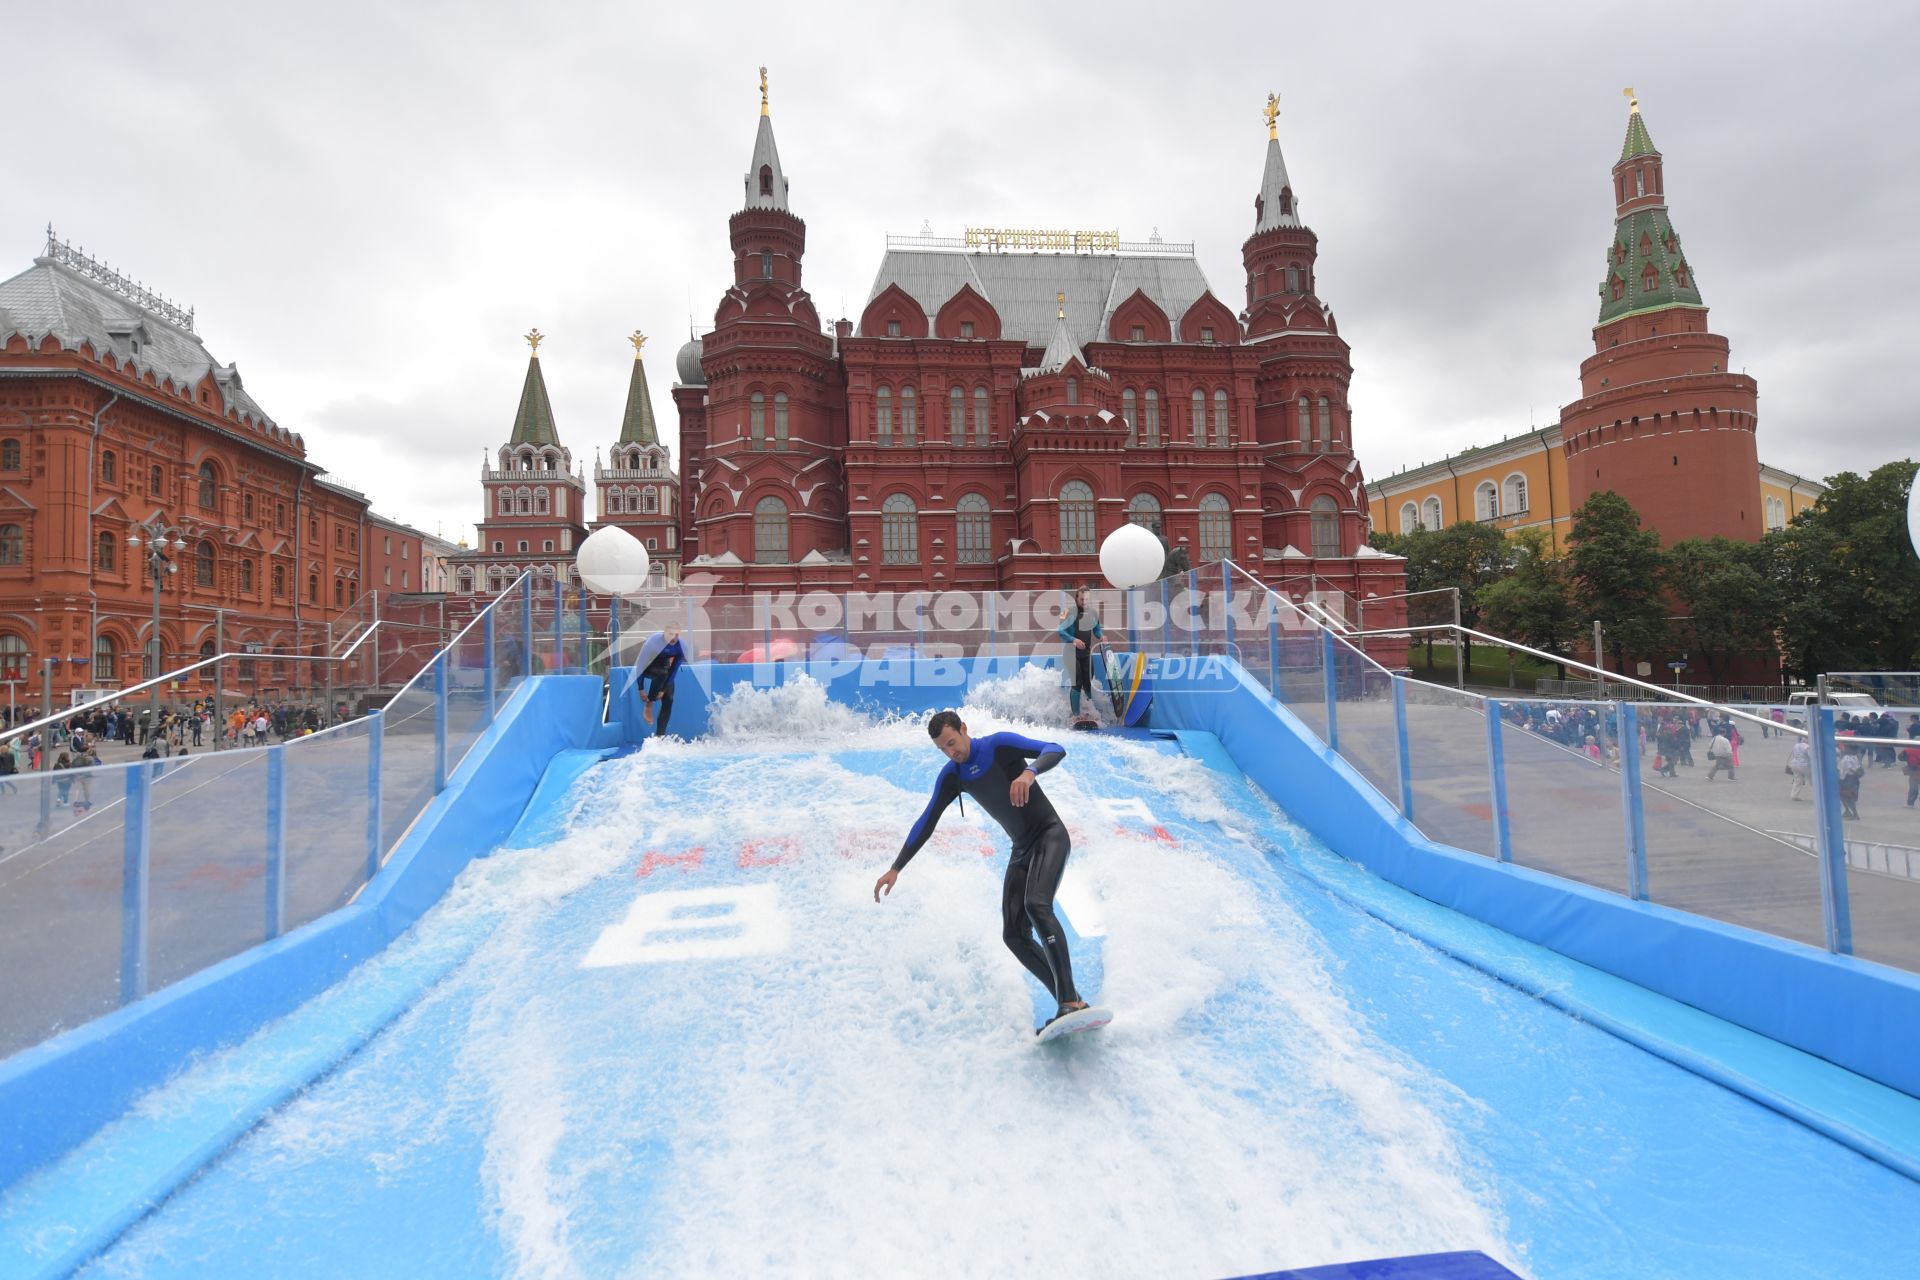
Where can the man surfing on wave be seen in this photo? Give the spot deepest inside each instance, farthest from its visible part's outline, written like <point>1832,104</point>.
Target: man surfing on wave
<point>1000,772</point>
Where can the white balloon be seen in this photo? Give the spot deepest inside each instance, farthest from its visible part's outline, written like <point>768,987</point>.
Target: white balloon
<point>612,562</point>
<point>1913,516</point>
<point>1131,556</point>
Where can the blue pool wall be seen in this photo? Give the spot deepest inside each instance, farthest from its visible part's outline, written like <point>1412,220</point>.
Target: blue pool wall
<point>58,1093</point>
<point>1862,1016</point>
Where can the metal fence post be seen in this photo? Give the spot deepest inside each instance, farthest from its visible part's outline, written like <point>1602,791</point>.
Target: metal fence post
<point>1166,618</point>
<point>526,626</point>
<point>1226,611</point>
<point>1193,610</point>
<point>1497,782</point>
<point>1331,672</point>
<point>276,839</point>
<point>613,633</point>
<point>486,656</point>
<point>439,723</point>
<point>1273,644</point>
<point>376,738</point>
<point>1631,802</point>
<point>920,623</point>
<point>586,635</point>
<point>559,626</point>
<point>1405,747</point>
<point>1836,915</point>
<point>136,851</point>
<point>1132,599</point>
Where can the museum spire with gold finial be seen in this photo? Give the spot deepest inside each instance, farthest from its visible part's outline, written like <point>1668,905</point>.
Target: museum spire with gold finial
<point>766,183</point>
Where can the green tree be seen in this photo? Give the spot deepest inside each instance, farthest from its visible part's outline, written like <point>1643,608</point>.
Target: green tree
<point>1726,590</point>
<point>1464,556</point>
<point>1533,602</point>
<point>1847,578</point>
<point>1615,575</point>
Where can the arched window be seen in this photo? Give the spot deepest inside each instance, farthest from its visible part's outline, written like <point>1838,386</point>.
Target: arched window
<point>899,531</point>
<point>1152,418</point>
<point>883,416</point>
<point>1199,416</point>
<point>1144,511</point>
<point>757,420</point>
<point>1409,517</point>
<point>909,417</point>
<point>1076,519</point>
<point>1129,410</point>
<point>313,588</point>
<point>982,421</point>
<point>155,481</point>
<point>12,544</point>
<point>1326,528</point>
<point>766,180</point>
<point>1293,278</point>
<point>466,582</point>
<point>1430,514</point>
<point>766,266</point>
<point>503,502</point>
<point>1486,501</point>
<point>780,420</point>
<point>1513,495</point>
<point>203,564</point>
<point>13,656</point>
<point>106,545</point>
<point>616,502</point>
<point>339,593</point>
<point>1221,429</point>
<point>974,529</point>
<point>1326,423</point>
<point>108,466</point>
<point>209,487</point>
<point>1073,390</point>
<point>650,499</point>
<point>246,576</point>
<point>279,581</point>
<point>540,502</point>
<point>9,454</point>
<point>106,662</point>
<point>770,531</point>
<point>1216,528</point>
<point>1306,424</point>
<point>957,415</point>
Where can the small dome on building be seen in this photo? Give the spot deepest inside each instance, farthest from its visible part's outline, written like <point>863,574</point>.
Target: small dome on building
<point>687,365</point>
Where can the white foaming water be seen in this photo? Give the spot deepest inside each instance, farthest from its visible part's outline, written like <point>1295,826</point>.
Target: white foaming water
<point>870,1101</point>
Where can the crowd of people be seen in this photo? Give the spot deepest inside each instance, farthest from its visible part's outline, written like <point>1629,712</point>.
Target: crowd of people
<point>1668,737</point>
<point>165,731</point>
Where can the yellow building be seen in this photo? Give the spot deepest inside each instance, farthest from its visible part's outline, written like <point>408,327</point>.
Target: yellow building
<point>1521,483</point>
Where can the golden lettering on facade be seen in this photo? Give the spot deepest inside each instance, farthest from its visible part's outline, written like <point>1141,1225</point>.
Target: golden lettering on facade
<point>1002,239</point>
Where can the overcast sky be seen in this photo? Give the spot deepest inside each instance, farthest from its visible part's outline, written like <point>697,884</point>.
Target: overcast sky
<point>369,204</point>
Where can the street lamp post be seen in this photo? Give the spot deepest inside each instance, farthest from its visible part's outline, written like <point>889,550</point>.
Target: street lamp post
<point>161,542</point>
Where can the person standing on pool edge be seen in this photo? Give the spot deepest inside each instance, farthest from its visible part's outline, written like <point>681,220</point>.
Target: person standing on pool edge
<point>995,772</point>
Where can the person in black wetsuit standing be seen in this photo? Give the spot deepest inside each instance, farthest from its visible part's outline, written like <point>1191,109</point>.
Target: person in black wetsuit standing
<point>995,772</point>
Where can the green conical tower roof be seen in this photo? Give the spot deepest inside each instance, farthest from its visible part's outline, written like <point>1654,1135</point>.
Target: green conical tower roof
<point>1646,267</point>
<point>637,426</point>
<point>533,424</point>
<point>1639,142</point>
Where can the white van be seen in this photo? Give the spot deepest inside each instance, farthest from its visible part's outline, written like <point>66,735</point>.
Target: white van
<point>1853,703</point>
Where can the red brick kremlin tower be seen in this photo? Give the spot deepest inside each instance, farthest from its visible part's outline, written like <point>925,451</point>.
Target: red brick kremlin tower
<point>535,501</point>
<point>1010,398</point>
<point>639,492</point>
<point>1663,419</point>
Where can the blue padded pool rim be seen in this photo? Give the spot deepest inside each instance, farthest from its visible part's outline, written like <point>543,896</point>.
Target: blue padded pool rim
<point>1425,1266</point>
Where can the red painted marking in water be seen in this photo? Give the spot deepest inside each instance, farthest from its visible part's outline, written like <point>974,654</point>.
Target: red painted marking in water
<point>784,847</point>
<point>685,861</point>
<point>1164,836</point>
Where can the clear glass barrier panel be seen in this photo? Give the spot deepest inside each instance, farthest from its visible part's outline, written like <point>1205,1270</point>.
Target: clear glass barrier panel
<point>326,821</point>
<point>406,761</point>
<point>1447,750</point>
<point>1369,738</point>
<point>1564,808</point>
<point>208,862</point>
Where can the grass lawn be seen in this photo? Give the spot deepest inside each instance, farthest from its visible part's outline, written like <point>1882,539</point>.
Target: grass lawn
<point>1488,667</point>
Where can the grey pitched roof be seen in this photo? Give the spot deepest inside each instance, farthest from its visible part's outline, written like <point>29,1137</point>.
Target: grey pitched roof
<point>1272,183</point>
<point>1060,348</point>
<point>49,298</point>
<point>765,153</point>
<point>1023,286</point>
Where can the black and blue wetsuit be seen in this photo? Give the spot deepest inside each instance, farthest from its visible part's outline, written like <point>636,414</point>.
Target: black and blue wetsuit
<point>1040,847</point>
<point>659,675</point>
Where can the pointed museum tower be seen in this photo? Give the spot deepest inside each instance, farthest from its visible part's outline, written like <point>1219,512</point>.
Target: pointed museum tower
<point>1312,495</point>
<point>761,465</point>
<point>536,501</point>
<point>639,492</point>
<point>1662,421</point>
